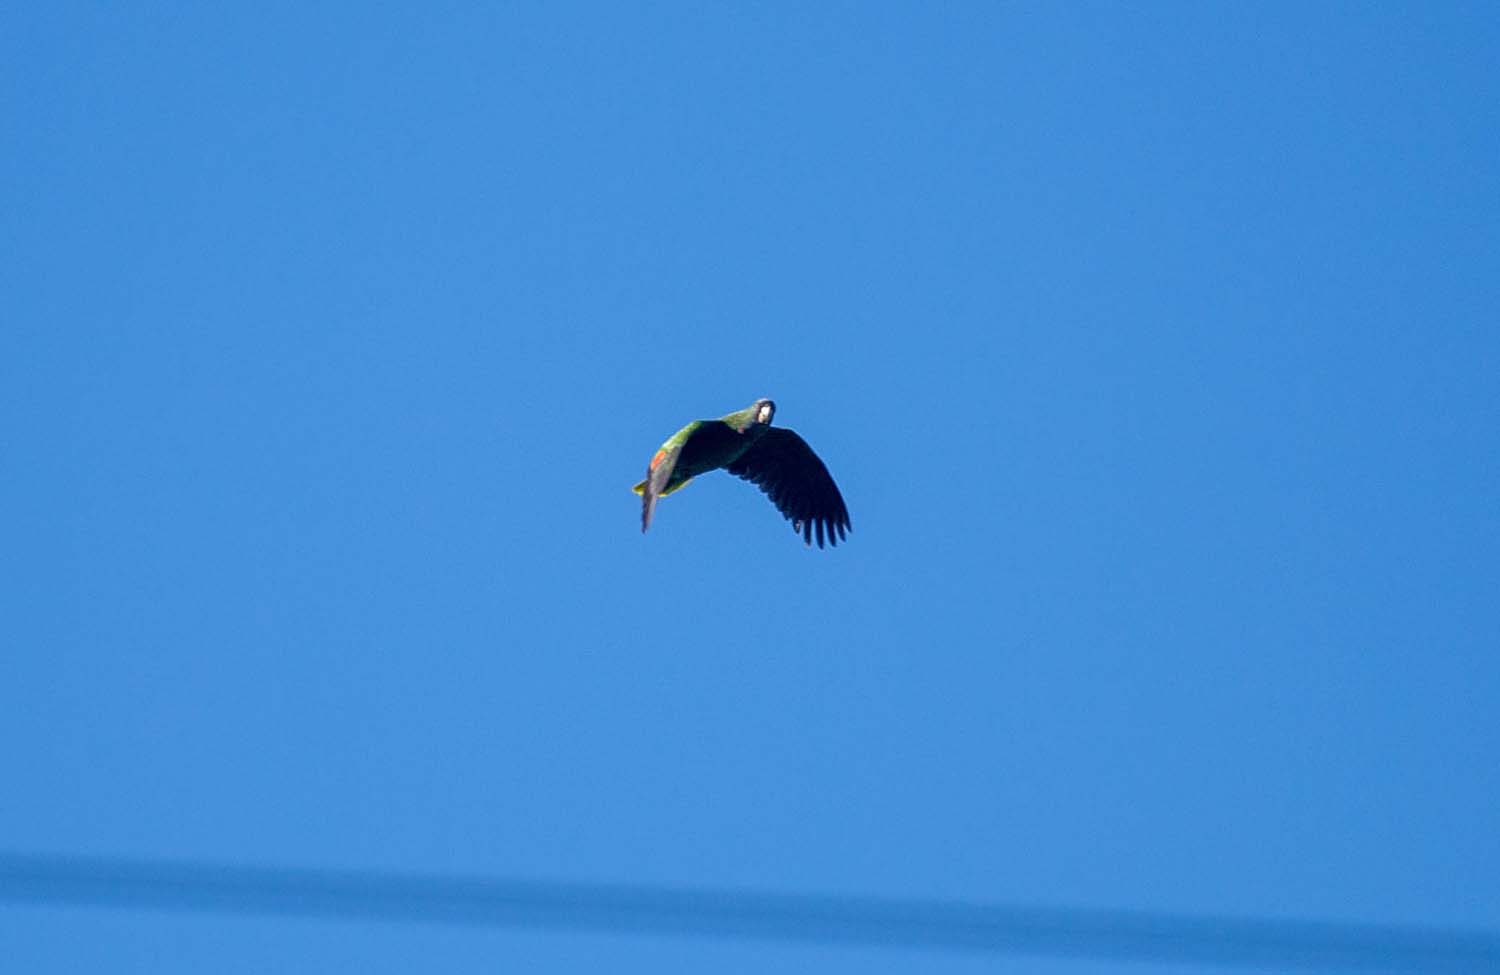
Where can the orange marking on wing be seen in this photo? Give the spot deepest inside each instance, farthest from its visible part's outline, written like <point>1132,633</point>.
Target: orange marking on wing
<point>657,459</point>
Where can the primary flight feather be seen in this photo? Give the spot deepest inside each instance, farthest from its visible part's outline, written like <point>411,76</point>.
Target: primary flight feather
<point>777,461</point>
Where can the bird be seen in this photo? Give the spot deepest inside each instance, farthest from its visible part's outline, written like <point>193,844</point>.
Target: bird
<point>774,459</point>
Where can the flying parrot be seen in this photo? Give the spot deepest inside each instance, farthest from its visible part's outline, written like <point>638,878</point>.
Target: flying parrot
<point>777,461</point>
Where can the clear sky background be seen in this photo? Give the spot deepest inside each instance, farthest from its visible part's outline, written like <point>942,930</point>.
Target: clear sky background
<point>1155,352</point>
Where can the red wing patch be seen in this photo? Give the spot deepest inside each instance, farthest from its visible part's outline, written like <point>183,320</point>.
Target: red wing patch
<point>657,459</point>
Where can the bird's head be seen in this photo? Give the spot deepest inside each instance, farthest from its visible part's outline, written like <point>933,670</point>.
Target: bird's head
<point>764,410</point>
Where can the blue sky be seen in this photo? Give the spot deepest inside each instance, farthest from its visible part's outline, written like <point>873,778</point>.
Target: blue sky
<point>1154,351</point>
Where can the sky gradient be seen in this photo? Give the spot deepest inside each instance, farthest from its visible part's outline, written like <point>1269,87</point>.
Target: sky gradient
<point>1154,352</point>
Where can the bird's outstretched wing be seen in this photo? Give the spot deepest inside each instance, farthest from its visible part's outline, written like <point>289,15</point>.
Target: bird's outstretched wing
<point>798,484</point>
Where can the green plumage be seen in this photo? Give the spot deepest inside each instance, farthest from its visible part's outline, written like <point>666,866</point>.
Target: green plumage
<point>776,460</point>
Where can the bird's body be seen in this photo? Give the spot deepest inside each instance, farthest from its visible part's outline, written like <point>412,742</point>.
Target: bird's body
<point>776,460</point>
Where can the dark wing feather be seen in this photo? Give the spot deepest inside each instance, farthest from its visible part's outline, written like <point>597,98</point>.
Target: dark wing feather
<point>785,467</point>
<point>657,476</point>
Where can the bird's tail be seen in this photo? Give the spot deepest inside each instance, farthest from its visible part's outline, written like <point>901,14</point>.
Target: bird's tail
<point>641,488</point>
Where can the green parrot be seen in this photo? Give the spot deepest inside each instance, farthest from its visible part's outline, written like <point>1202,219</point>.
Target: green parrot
<point>776,460</point>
